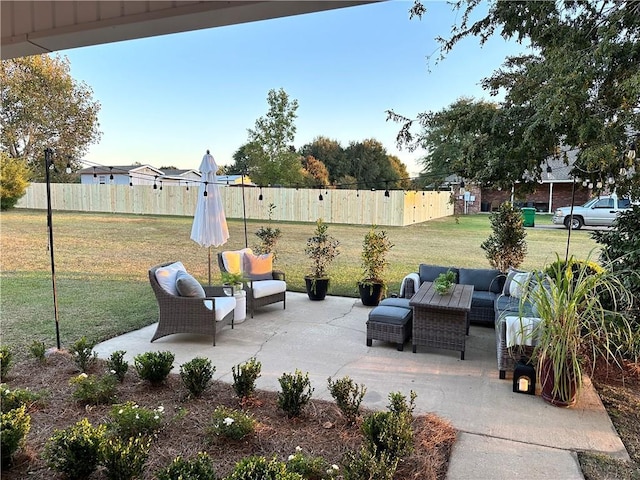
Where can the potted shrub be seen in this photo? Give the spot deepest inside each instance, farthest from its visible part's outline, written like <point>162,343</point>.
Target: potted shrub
<point>268,236</point>
<point>575,325</point>
<point>233,280</point>
<point>322,249</point>
<point>444,282</point>
<point>375,247</point>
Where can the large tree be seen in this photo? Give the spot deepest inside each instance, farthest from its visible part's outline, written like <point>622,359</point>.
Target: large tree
<point>577,87</point>
<point>270,155</point>
<point>329,152</point>
<point>370,165</point>
<point>44,107</point>
<point>479,140</point>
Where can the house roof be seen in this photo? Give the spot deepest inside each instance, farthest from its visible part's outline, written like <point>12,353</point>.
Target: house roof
<point>176,172</point>
<point>117,169</point>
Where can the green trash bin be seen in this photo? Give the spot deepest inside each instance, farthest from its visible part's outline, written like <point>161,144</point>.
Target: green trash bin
<point>529,216</point>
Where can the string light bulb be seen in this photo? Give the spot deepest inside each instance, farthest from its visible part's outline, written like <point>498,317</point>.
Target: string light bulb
<point>260,197</point>
<point>111,173</point>
<point>205,188</point>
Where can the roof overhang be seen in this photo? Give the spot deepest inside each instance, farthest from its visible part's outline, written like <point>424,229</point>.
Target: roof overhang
<point>36,27</point>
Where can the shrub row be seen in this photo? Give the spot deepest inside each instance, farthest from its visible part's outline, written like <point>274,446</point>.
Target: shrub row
<point>122,444</point>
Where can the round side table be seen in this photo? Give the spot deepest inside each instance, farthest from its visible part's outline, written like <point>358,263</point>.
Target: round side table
<point>240,312</point>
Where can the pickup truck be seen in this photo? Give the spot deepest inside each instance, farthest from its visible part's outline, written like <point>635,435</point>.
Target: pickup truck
<point>599,211</point>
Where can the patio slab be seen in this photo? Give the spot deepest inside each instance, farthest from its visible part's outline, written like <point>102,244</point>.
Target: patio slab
<point>500,430</point>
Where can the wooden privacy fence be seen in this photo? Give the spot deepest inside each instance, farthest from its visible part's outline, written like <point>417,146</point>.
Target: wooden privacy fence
<point>359,207</point>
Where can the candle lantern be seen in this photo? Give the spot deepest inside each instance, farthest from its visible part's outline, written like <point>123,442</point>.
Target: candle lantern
<point>524,377</point>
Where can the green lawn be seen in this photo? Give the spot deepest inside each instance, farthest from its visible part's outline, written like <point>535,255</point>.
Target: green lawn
<point>102,262</point>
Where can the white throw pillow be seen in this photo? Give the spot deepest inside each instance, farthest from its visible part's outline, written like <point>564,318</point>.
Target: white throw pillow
<point>518,284</point>
<point>166,276</point>
<point>510,274</point>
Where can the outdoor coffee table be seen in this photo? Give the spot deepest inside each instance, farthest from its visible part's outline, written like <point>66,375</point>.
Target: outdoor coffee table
<point>440,321</point>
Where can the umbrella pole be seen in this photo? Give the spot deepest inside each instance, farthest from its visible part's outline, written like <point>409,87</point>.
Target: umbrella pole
<point>244,215</point>
<point>209,266</point>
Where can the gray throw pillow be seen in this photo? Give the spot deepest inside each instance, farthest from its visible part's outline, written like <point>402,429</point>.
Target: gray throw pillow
<point>188,286</point>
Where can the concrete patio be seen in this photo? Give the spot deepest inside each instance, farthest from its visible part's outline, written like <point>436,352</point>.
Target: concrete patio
<point>502,435</point>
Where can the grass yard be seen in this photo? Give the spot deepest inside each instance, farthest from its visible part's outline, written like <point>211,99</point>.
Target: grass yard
<point>102,261</point>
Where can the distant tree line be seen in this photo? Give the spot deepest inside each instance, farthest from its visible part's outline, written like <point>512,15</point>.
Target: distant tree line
<point>270,158</point>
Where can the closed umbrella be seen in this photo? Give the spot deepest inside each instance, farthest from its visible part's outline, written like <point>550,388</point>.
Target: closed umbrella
<point>209,227</point>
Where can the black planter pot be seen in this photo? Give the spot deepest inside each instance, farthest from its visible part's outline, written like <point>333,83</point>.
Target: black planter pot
<point>317,288</point>
<point>371,294</point>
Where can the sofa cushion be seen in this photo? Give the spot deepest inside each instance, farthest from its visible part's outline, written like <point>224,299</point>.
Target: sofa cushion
<point>507,303</point>
<point>390,315</point>
<point>224,305</point>
<point>483,299</point>
<point>396,302</point>
<point>264,288</point>
<point>188,286</point>
<point>166,276</point>
<point>483,279</point>
<point>428,273</point>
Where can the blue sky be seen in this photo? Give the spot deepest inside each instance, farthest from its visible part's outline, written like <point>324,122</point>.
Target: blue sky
<point>166,100</point>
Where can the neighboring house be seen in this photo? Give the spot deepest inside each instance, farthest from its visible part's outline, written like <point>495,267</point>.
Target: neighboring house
<point>233,180</point>
<point>555,190</point>
<point>148,175</point>
<point>120,175</point>
<point>176,177</point>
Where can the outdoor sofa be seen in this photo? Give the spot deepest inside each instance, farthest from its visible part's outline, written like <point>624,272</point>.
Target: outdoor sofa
<point>487,286</point>
<point>497,302</point>
<point>391,321</point>
<point>514,318</point>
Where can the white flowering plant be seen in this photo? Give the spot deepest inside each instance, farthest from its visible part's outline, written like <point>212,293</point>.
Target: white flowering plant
<point>230,423</point>
<point>93,389</point>
<point>16,397</point>
<point>308,466</point>
<point>117,365</point>
<point>131,420</point>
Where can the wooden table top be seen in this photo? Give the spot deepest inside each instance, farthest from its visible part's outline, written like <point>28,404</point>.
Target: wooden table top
<point>458,299</point>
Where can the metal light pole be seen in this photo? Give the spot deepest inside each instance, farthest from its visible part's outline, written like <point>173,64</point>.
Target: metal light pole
<point>48,161</point>
<point>244,213</point>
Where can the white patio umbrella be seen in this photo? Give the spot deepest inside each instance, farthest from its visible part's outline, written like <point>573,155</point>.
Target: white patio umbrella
<point>209,227</point>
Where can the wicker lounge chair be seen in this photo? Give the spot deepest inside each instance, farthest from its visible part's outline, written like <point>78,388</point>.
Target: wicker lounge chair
<point>261,292</point>
<point>197,315</point>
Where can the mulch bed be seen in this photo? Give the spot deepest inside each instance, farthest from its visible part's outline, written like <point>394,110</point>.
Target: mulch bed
<point>320,431</point>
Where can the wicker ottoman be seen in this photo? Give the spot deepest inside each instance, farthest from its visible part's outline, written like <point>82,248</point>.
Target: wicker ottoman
<point>389,324</point>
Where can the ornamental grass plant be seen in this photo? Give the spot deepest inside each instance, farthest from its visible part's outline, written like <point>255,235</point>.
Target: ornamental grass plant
<point>576,323</point>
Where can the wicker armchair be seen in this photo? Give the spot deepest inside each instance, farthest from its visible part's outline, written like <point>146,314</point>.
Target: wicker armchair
<point>262,292</point>
<point>197,315</point>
